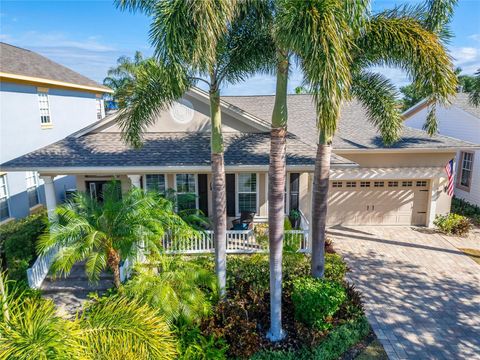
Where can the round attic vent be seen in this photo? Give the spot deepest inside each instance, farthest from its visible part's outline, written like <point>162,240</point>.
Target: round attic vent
<point>182,111</point>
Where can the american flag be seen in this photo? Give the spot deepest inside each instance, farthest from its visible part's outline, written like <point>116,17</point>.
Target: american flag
<point>450,170</point>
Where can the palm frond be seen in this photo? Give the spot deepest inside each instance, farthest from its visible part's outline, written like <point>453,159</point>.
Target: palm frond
<point>96,262</point>
<point>378,95</point>
<point>118,328</point>
<point>34,331</point>
<point>474,95</point>
<point>189,31</point>
<point>156,87</point>
<point>404,43</point>
<point>318,32</point>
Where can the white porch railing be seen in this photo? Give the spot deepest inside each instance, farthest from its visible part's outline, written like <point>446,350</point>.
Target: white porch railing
<point>39,270</point>
<point>238,242</point>
<point>127,266</point>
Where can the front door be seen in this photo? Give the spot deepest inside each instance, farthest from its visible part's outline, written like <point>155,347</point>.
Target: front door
<point>96,188</point>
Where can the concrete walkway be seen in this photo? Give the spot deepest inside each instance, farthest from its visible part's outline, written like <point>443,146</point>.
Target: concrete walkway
<point>422,295</point>
<point>70,293</point>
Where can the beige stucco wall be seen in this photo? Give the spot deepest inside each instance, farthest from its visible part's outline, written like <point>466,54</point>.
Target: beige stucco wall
<point>165,122</point>
<point>399,159</point>
<point>81,179</point>
<point>438,196</point>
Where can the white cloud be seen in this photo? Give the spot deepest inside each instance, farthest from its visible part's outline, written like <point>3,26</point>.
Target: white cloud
<point>90,56</point>
<point>475,37</point>
<point>468,58</point>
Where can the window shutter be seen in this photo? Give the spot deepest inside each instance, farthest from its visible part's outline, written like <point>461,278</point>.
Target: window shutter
<point>203,193</point>
<point>230,185</point>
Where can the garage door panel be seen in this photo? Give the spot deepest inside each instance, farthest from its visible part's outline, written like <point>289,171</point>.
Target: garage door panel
<point>382,205</point>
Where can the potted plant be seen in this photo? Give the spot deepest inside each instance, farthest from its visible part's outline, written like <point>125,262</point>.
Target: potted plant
<point>294,217</point>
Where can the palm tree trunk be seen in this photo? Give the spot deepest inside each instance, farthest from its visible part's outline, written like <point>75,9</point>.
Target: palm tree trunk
<point>218,190</point>
<point>321,179</point>
<point>113,261</point>
<point>276,195</point>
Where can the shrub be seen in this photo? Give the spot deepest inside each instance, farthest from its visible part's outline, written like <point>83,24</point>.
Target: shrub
<point>462,207</point>
<point>181,291</point>
<point>19,239</point>
<point>253,270</point>
<point>453,224</point>
<point>335,344</point>
<point>316,301</point>
<point>232,323</point>
<point>195,346</point>
<point>335,267</point>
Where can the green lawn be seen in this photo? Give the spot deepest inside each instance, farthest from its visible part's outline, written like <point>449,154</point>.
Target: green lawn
<point>473,253</point>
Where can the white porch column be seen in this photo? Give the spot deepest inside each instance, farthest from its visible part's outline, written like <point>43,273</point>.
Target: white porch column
<point>50,196</point>
<point>135,180</point>
<point>432,201</point>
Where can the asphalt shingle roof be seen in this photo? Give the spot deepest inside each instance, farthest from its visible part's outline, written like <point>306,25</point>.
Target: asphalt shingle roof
<point>461,101</point>
<point>354,130</point>
<point>163,149</point>
<point>18,61</point>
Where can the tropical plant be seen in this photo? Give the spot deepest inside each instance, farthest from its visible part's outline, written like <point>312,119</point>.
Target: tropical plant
<point>453,224</point>
<point>474,95</point>
<point>466,83</point>
<point>341,43</point>
<point>112,328</point>
<point>121,77</point>
<point>180,291</point>
<point>120,328</point>
<point>213,42</point>
<point>316,301</point>
<point>104,233</point>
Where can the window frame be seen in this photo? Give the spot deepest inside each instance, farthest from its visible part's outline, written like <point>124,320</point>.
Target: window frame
<point>98,107</point>
<point>43,93</point>
<point>32,187</point>
<point>237,192</point>
<point>337,184</point>
<point>460,171</point>
<point>6,198</point>
<point>195,176</point>
<point>165,180</point>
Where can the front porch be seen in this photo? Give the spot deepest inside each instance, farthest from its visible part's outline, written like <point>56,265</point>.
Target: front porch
<point>246,192</point>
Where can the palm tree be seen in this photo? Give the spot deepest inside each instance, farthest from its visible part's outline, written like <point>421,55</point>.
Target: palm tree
<point>103,233</point>
<point>474,95</point>
<point>346,41</point>
<point>176,288</point>
<point>110,328</point>
<point>195,41</point>
<point>124,73</point>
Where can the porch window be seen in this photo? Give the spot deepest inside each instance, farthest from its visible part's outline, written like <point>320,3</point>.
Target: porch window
<point>247,192</point>
<point>466,166</point>
<point>4,210</point>
<point>186,191</point>
<point>155,182</point>
<point>32,188</point>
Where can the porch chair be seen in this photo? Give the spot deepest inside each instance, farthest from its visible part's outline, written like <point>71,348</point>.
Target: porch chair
<point>245,222</point>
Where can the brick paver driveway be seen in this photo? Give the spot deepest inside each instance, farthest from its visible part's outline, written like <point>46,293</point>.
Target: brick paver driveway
<point>422,295</point>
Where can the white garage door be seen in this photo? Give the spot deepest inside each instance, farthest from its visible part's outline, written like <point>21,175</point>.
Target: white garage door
<point>382,202</point>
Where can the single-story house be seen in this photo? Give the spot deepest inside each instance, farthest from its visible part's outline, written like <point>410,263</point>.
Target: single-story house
<point>404,184</point>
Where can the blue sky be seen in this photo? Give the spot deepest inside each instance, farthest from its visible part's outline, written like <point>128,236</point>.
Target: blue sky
<point>88,36</point>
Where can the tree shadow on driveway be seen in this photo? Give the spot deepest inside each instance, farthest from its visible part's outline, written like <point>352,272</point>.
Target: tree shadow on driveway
<point>420,309</point>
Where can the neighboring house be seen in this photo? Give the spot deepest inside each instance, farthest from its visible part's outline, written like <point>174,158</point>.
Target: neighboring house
<point>370,183</point>
<point>462,121</point>
<point>41,102</point>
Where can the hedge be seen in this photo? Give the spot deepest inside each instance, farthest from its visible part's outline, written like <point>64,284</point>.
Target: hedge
<point>17,244</point>
<point>338,341</point>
